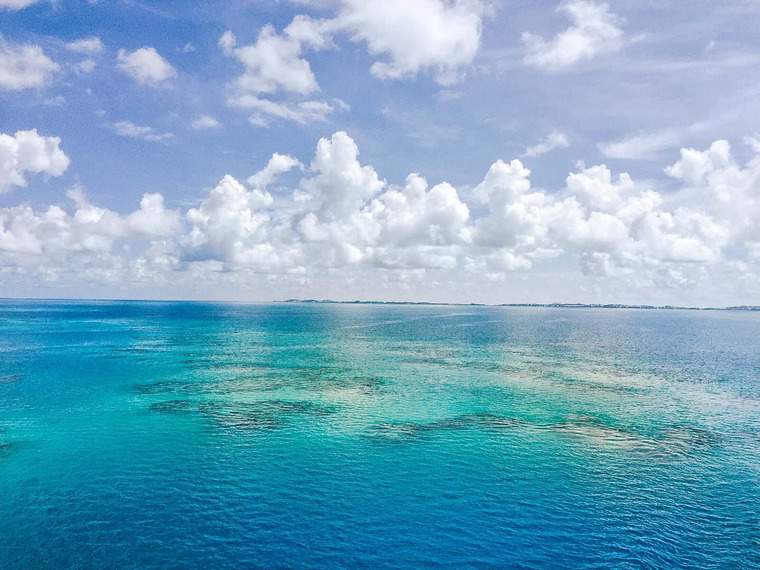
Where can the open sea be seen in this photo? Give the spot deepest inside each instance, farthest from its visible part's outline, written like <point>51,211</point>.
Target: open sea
<point>200,435</point>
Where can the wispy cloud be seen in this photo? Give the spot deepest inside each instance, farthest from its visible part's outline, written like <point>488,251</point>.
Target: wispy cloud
<point>552,141</point>
<point>648,145</point>
<point>130,130</point>
<point>90,45</point>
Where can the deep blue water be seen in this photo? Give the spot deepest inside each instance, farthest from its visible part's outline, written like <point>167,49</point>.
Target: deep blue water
<point>175,435</point>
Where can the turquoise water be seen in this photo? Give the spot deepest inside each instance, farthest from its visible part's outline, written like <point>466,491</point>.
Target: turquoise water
<point>174,435</point>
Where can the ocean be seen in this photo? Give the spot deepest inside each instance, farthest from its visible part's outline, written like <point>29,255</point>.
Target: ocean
<point>213,435</point>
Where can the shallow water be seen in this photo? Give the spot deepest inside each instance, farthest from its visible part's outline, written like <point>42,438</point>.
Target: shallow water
<point>137,435</point>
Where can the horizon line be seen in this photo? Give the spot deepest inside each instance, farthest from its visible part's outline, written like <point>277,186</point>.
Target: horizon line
<point>547,305</point>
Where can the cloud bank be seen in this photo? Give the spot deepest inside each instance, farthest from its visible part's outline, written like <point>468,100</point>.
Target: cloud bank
<point>339,216</point>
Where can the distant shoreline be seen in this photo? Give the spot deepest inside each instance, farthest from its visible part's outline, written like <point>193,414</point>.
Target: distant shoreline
<point>744,308</point>
<point>530,305</point>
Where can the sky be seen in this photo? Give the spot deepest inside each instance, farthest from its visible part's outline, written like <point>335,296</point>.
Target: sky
<point>492,151</point>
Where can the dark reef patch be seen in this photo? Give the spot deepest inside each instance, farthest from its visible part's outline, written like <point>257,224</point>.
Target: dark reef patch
<point>264,414</point>
<point>7,448</point>
<point>399,431</point>
<point>671,443</point>
<point>172,407</point>
<point>170,387</point>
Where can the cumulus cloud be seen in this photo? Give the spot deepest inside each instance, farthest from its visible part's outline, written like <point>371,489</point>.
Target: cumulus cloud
<point>417,214</point>
<point>145,66</point>
<point>279,164</point>
<point>82,240</point>
<point>340,218</point>
<point>16,4</point>
<point>152,219</point>
<point>90,45</point>
<point>24,66</point>
<point>205,122</point>
<point>753,141</point>
<point>274,62</point>
<point>343,214</point>
<point>721,186</point>
<point>439,36</point>
<point>436,36</point>
<point>553,141</point>
<point>513,211</point>
<point>27,152</point>
<point>81,243</point>
<point>341,183</point>
<point>595,30</point>
<point>141,132</point>
<point>273,65</point>
<point>232,225</point>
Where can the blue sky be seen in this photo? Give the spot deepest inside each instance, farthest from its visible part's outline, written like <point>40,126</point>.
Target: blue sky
<point>154,102</point>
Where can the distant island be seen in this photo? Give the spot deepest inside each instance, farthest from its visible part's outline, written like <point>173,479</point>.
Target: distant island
<point>536,305</point>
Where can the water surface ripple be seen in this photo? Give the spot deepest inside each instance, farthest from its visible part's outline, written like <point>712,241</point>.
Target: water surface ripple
<point>176,435</point>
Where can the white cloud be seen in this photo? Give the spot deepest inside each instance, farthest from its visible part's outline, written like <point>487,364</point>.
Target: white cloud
<point>130,130</point>
<point>205,122</point>
<point>697,167</point>
<point>24,66</point>
<point>722,187</point>
<point>146,66</point>
<point>90,45</point>
<point>279,164</point>
<point>16,4</point>
<point>344,215</point>
<point>439,36</point>
<point>27,152</point>
<point>274,62</point>
<point>341,220</point>
<point>88,230</point>
<point>513,211</point>
<point>341,183</point>
<point>595,30</point>
<point>264,110</point>
<point>646,146</point>
<point>231,224</point>
<point>227,41</point>
<point>86,66</point>
<point>273,65</point>
<point>753,141</point>
<point>553,141</point>
<point>416,214</point>
<point>436,36</point>
<point>153,219</point>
